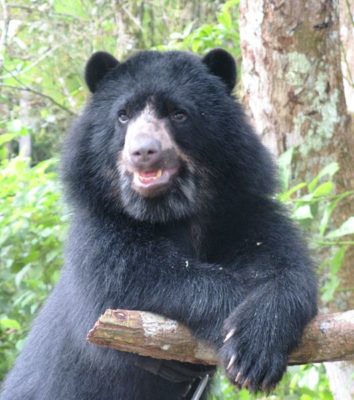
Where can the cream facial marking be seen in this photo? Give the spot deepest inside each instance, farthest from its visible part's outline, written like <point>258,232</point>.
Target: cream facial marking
<point>146,126</point>
<point>149,154</point>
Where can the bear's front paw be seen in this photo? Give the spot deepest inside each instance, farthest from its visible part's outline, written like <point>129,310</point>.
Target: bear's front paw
<point>251,359</point>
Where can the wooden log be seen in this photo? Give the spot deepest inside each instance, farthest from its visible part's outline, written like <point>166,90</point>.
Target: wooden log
<point>329,337</point>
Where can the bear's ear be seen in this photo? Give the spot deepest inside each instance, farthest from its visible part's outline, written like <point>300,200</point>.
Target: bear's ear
<point>97,67</point>
<point>222,64</point>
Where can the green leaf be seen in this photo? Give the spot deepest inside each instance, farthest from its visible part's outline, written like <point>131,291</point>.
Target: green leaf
<point>306,397</point>
<point>9,324</point>
<point>303,212</point>
<point>337,261</point>
<point>7,137</point>
<point>328,210</point>
<point>330,170</point>
<point>347,228</point>
<point>287,195</point>
<point>324,189</point>
<point>329,289</point>
<point>73,7</point>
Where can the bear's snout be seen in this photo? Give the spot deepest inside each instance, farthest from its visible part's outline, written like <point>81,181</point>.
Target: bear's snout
<point>145,151</point>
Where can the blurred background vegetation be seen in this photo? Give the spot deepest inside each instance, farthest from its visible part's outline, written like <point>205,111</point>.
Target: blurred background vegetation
<point>44,46</point>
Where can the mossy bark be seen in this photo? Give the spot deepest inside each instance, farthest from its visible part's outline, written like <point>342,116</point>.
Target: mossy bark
<point>293,91</point>
<point>346,16</point>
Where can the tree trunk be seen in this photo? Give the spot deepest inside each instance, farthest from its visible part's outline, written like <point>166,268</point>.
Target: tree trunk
<point>346,16</point>
<point>293,91</point>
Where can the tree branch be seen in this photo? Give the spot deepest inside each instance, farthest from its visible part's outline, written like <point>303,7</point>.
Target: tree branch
<point>40,94</point>
<point>329,337</point>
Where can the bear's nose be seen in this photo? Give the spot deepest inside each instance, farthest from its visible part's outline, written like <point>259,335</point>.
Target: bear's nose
<point>145,151</point>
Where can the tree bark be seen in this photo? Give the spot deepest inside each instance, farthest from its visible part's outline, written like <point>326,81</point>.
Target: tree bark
<point>328,338</point>
<point>292,80</point>
<point>293,90</point>
<point>346,16</point>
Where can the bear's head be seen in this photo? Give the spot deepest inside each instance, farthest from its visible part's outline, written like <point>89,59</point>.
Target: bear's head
<point>162,137</point>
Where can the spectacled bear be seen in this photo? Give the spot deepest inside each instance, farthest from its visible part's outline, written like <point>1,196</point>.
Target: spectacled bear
<point>174,213</point>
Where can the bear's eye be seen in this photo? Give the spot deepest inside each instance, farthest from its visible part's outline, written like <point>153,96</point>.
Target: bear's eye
<point>123,116</point>
<point>178,116</point>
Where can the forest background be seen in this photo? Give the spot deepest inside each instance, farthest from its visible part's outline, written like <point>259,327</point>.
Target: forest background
<point>43,48</point>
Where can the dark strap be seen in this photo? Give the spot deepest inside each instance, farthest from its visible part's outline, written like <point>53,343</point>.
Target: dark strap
<point>194,376</point>
<point>198,392</point>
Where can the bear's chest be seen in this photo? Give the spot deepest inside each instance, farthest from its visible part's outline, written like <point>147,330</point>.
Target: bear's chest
<point>188,237</point>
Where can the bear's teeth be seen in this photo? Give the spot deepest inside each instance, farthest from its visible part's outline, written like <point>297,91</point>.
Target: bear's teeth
<point>149,176</point>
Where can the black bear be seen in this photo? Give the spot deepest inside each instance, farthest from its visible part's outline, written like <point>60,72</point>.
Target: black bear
<point>174,213</point>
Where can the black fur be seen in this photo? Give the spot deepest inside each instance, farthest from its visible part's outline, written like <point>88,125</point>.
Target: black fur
<point>97,67</point>
<point>222,64</point>
<point>219,256</point>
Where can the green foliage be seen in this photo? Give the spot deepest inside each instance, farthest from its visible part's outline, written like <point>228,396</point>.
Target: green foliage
<point>48,42</point>
<point>307,382</point>
<point>31,225</point>
<point>312,205</point>
<point>224,33</point>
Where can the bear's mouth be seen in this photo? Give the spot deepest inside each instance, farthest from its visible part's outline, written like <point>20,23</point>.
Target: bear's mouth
<point>153,182</point>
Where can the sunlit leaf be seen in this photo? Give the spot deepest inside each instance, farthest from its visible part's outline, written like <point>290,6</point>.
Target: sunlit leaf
<point>9,324</point>
<point>330,170</point>
<point>303,212</point>
<point>7,137</point>
<point>287,195</point>
<point>329,288</point>
<point>324,189</point>
<point>337,260</point>
<point>347,228</point>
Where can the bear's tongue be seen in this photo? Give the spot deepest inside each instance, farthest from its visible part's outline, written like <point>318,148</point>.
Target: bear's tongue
<point>149,176</point>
